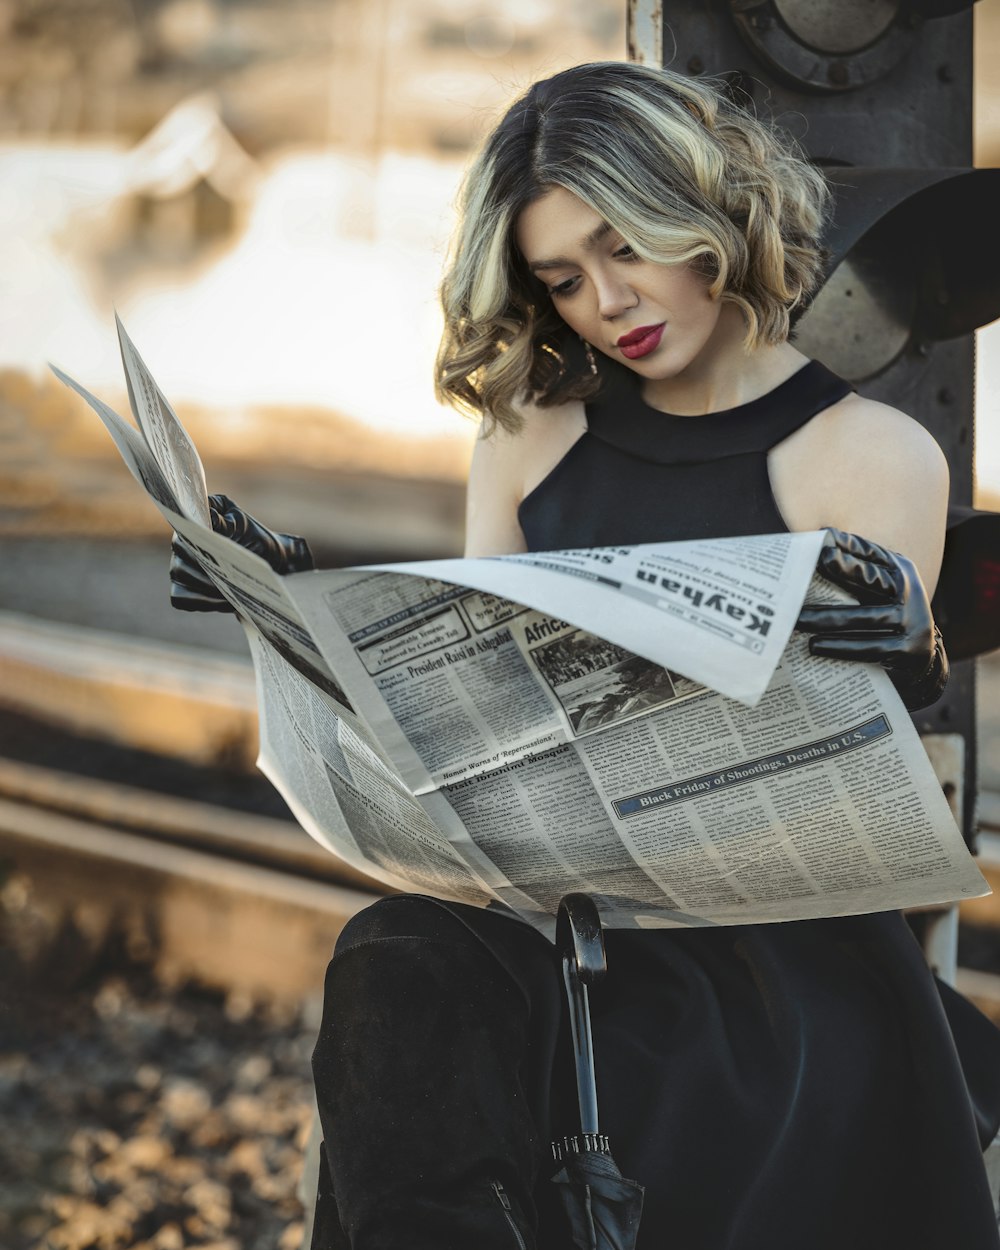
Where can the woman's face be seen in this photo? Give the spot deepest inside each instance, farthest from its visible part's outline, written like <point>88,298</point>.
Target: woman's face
<point>655,319</point>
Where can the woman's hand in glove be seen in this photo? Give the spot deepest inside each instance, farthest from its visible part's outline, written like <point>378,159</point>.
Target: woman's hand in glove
<point>191,590</point>
<point>891,625</point>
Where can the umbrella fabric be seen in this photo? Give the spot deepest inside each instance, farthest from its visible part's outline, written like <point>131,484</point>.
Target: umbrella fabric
<point>602,1206</point>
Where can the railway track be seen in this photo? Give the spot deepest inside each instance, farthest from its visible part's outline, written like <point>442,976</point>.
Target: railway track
<point>236,898</point>
<point>249,902</point>
<point>207,828</point>
<point>243,902</point>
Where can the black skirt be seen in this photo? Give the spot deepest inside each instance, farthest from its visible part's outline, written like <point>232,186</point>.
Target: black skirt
<point>771,1086</point>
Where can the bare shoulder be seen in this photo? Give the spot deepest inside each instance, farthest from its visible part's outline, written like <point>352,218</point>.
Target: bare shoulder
<point>875,456</point>
<point>865,467</point>
<point>515,463</point>
<point>887,435</point>
<point>507,466</point>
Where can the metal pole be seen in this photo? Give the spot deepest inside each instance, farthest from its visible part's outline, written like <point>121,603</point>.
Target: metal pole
<point>583,1046</point>
<point>644,32</point>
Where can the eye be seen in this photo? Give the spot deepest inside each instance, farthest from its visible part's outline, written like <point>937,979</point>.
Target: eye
<point>563,288</point>
<point>626,252</point>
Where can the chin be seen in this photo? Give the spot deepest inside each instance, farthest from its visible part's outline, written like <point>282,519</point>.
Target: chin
<point>661,370</point>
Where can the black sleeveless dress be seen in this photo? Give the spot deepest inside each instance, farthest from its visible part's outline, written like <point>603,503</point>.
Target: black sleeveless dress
<point>785,1085</point>
<point>799,1086</point>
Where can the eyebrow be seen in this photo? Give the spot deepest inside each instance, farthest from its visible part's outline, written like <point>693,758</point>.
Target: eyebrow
<point>591,241</point>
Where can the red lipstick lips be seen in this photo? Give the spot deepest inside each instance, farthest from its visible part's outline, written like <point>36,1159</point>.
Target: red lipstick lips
<point>641,342</point>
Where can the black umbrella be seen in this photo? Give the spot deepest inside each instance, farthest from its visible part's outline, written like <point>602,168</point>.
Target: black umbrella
<point>603,1206</point>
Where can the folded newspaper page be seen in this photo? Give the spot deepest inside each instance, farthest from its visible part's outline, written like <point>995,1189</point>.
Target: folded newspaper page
<point>639,723</point>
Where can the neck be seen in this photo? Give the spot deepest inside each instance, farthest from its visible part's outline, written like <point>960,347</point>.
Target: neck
<point>724,374</point>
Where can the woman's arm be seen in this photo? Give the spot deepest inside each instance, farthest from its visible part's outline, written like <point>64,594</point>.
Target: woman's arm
<point>494,492</point>
<point>882,482</point>
<point>192,590</point>
<point>506,467</point>
<point>867,469</point>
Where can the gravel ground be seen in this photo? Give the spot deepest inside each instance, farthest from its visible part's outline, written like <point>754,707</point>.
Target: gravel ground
<point>135,1116</point>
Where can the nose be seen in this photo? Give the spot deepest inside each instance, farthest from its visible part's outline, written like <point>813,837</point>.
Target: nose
<point>614,297</point>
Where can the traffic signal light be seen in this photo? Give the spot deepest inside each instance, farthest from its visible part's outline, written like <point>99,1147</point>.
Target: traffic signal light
<point>879,93</point>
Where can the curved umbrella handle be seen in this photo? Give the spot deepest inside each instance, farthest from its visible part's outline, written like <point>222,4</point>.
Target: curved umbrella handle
<point>580,940</point>
<point>579,935</point>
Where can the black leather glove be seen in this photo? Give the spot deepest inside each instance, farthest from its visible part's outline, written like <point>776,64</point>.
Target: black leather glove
<point>892,624</point>
<point>191,590</point>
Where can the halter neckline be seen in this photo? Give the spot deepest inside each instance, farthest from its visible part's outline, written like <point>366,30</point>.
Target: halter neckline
<point>621,417</point>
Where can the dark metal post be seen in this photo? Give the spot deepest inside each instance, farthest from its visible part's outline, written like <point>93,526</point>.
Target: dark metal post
<point>879,94</point>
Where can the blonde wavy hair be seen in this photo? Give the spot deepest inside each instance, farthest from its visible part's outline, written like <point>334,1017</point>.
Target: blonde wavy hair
<point>684,174</point>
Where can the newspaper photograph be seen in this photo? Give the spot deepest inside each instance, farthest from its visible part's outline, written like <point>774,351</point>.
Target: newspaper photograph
<point>639,723</point>
<point>722,608</point>
<point>594,681</point>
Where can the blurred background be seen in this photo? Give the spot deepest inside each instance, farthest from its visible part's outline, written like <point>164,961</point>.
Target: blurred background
<point>264,192</point>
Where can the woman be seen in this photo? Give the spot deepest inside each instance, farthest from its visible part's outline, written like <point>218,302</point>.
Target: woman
<point>617,311</point>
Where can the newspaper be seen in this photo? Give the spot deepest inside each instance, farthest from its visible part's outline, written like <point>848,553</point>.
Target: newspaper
<point>640,723</point>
